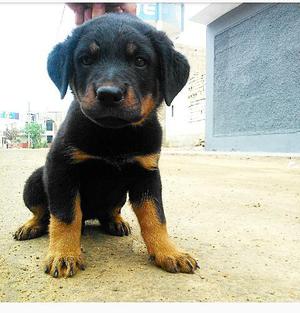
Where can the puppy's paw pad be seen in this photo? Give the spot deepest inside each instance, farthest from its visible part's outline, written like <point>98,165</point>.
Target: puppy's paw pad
<point>176,263</point>
<point>63,266</point>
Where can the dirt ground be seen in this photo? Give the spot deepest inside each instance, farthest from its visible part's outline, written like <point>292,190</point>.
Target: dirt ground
<point>238,215</point>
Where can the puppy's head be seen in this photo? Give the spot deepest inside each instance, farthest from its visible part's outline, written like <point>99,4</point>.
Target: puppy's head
<point>119,68</point>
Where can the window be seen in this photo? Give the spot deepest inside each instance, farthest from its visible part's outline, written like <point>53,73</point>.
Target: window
<point>49,139</point>
<point>49,125</point>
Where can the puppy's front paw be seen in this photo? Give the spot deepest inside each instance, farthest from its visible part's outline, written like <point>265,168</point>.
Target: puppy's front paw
<point>175,262</point>
<point>59,265</point>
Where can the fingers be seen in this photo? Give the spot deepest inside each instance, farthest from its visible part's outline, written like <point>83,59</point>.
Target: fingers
<point>73,6</point>
<point>128,8</point>
<point>78,9</point>
<point>122,7</point>
<point>83,12</point>
<point>87,14</point>
<point>86,11</point>
<point>98,9</point>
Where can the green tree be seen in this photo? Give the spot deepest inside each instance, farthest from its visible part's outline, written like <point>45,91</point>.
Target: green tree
<point>11,133</point>
<point>34,131</point>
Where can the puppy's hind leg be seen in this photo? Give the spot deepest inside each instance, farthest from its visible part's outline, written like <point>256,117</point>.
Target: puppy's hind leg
<point>36,201</point>
<point>114,224</point>
<point>112,221</point>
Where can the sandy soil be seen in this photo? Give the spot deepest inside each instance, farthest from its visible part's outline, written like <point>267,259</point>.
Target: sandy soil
<point>238,215</point>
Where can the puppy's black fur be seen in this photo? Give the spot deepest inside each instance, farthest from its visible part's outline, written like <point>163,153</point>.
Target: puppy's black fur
<point>120,70</point>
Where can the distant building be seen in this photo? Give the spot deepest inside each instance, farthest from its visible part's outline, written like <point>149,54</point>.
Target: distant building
<point>9,120</point>
<point>168,17</point>
<point>184,121</point>
<point>185,118</point>
<point>50,122</point>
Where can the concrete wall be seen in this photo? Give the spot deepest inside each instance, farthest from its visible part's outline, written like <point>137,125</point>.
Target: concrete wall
<point>253,79</point>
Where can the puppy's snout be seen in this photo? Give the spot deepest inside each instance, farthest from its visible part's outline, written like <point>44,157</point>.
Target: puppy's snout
<point>110,94</point>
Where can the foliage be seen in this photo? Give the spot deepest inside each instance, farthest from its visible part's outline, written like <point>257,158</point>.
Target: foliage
<point>11,133</point>
<point>35,132</point>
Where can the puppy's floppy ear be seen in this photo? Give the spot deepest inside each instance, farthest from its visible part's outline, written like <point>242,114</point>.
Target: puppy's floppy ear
<point>175,68</point>
<point>60,63</point>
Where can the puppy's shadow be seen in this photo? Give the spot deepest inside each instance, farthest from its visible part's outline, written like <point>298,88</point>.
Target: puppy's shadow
<point>100,246</point>
<point>94,232</point>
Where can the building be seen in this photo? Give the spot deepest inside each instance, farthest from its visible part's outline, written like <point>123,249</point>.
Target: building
<point>168,17</point>
<point>253,89</point>
<point>10,120</point>
<point>184,121</point>
<point>185,118</point>
<point>50,122</point>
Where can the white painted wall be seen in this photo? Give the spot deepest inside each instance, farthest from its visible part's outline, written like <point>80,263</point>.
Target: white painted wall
<point>179,130</point>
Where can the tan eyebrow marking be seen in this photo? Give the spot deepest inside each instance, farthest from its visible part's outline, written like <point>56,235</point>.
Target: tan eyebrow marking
<point>94,48</point>
<point>131,47</point>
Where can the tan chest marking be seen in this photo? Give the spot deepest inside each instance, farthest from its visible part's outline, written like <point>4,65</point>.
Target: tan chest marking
<point>149,161</point>
<point>79,156</point>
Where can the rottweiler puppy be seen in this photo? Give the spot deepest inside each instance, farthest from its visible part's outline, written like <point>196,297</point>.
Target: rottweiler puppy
<point>119,69</point>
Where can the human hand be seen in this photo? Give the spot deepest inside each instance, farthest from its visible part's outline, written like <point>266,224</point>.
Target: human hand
<point>86,11</point>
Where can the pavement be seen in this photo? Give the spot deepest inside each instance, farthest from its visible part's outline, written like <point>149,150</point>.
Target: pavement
<point>239,215</point>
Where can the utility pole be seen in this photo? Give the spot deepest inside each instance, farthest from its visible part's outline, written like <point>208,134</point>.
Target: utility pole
<point>29,121</point>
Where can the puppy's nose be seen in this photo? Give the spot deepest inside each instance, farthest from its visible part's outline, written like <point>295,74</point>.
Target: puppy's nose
<point>109,94</point>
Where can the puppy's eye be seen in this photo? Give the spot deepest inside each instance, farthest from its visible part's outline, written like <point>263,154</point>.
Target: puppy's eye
<point>86,60</point>
<point>140,62</point>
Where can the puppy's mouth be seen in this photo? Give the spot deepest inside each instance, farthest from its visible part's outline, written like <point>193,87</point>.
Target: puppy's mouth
<point>112,118</point>
<point>112,122</point>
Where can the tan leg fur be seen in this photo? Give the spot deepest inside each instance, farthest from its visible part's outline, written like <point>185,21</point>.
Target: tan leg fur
<point>160,248</point>
<point>64,257</point>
